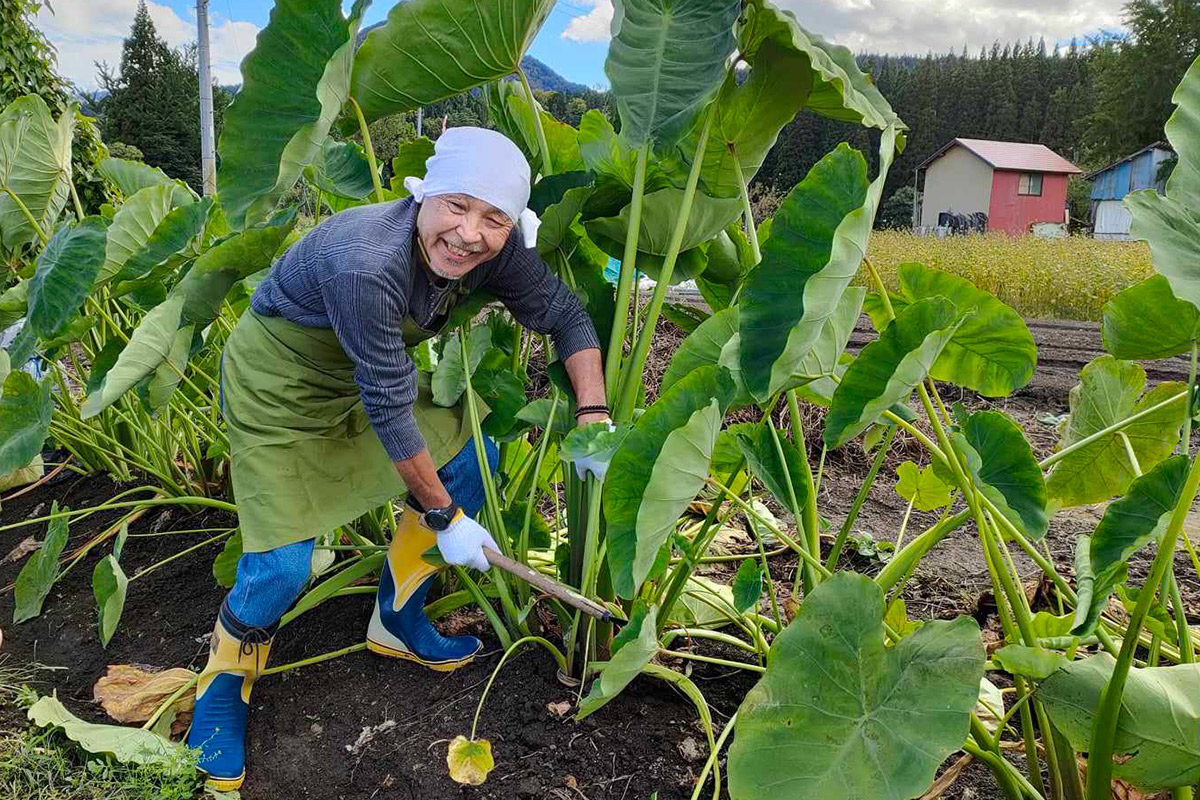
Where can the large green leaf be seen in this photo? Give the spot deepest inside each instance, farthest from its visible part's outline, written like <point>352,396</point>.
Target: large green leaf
<point>888,369</point>
<point>40,571</point>
<point>127,745</point>
<point>660,210</point>
<point>25,413</point>
<point>1183,131</point>
<point>1129,524</point>
<point>614,162</point>
<point>840,89</point>
<point>1147,322</point>
<point>133,225</point>
<point>841,714</point>
<point>639,641</point>
<point>35,164</point>
<point>1005,470</point>
<point>66,268</point>
<point>703,346</point>
<point>1108,393</point>
<point>636,462</point>
<point>294,84</point>
<point>782,477</point>
<point>410,162</point>
<point>816,246</point>
<point>148,348</point>
<point>208,282</point>
<point>176,231</point>
<point>450,378</point>
<point>666,60</point>
<point>1156,726</point>
<point>14,303</point>
<point>433,49</point>
<point>750,113</point>
<point>1171,223</point>
<point>167,376</point>
<point>679,473</point>
<point>130,177</point>
<point>341,168</point>
<point>992,352</point>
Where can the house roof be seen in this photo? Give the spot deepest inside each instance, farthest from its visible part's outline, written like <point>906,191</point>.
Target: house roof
<point>1016,156</point>
<point>1156,146</point>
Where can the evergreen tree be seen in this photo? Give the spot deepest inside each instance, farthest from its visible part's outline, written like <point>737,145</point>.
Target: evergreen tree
<point>153,103</point>
<point>1136,77</point>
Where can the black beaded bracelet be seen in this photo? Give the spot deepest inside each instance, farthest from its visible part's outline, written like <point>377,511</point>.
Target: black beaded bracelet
<point>579,412</point>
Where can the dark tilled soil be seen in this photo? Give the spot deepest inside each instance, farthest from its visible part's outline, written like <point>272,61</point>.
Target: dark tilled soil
<point>305,723</point>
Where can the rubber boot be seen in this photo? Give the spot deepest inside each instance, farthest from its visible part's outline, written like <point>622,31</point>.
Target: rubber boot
<point>236,658</point>
<point>399,627</point>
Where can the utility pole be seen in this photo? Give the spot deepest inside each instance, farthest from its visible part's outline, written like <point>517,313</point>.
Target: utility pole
<point>420,119</point>
<point>208,148</point>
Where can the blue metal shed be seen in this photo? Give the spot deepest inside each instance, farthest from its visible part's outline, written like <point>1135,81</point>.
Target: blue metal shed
<point>1134,173</point>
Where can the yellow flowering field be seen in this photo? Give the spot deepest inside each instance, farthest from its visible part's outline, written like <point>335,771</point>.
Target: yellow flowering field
<point>1069,278</point>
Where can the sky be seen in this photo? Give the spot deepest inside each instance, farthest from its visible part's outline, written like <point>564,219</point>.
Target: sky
<point>574,39</point>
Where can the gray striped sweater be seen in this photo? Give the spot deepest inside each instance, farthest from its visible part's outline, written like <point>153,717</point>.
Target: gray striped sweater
<point>356,273</point>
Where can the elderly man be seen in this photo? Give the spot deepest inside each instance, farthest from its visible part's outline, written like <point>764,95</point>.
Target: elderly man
<point>328,416</point>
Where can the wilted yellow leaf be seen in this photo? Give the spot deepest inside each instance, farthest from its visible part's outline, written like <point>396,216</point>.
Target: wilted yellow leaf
<point>470,761</point>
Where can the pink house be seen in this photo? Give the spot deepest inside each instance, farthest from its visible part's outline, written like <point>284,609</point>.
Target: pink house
<point>1015,185</point>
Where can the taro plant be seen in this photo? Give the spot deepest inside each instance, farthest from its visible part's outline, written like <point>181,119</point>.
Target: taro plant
<point>855,699</point>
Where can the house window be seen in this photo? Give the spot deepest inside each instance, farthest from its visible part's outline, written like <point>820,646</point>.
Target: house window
<point>1030,184</point>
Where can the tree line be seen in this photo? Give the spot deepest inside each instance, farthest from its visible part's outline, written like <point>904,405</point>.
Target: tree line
<point>1093,101</point>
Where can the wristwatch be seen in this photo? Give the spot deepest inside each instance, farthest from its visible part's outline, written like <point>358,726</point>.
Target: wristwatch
<point>438,519</point>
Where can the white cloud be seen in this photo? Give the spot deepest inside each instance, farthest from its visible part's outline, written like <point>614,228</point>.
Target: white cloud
<point>87,31</point>
<point>592,26</point>
<point>917,26</point>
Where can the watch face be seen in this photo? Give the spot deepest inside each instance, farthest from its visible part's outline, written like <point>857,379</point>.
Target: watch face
<point>439,519</point>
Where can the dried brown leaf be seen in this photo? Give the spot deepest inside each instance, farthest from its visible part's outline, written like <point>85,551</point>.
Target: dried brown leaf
<point>26,546</point>
<point>131,694</point>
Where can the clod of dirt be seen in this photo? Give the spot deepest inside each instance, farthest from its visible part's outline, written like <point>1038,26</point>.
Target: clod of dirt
<point>691,750</point>
<point>368,735</point>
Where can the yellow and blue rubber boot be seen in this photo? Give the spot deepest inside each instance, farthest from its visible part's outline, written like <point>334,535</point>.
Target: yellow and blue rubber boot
<point>399,627</point>
<point>236,659</point>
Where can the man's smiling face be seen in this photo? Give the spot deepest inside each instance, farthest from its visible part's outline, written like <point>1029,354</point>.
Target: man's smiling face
<point>459,232</point>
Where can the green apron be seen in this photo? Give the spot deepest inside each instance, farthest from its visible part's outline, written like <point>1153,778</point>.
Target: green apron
<point>305,458</point>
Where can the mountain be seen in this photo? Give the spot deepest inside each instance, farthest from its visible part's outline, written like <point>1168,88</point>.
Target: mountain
<point>541,77</point>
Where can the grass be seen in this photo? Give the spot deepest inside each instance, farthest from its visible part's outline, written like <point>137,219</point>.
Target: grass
<point>1070,278</point>
<point>38,764</point>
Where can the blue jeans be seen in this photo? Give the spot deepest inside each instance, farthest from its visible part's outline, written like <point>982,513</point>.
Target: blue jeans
<point>269,582</point>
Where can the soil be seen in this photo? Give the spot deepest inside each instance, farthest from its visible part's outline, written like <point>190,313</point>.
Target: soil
<point>361,726</point>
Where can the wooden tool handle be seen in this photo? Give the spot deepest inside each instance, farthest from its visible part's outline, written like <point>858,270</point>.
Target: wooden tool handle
<point>547,585</point>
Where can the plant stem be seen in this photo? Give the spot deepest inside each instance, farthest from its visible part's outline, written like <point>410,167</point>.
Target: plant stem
<point>1185,439</point>
<point>75,199</point>
<point>1100,751</point>
<point>558,657</point>
<point>1054,458</point>
<point>633,369</point>
<point>28,216</point>
<point>366,137</point>
<point>170,701</point>
<point>812,520</point>
<point>747,208</point>
<point>616,340</point>
<point>308,662</point>
<point>721,662</point>
<point>543,145</point>
<point>1001,767</point>
<point>712,757</point>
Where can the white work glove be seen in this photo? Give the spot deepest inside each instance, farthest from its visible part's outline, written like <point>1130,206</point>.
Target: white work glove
<point>596,464</point>
<point>462,543</point>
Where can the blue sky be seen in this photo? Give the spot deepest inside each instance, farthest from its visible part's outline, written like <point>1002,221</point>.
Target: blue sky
<point>574,39</point>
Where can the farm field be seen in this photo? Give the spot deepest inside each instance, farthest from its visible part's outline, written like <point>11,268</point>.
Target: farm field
<point>830,526</point>
<point>306,745</point>
<point>1069,278</point>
